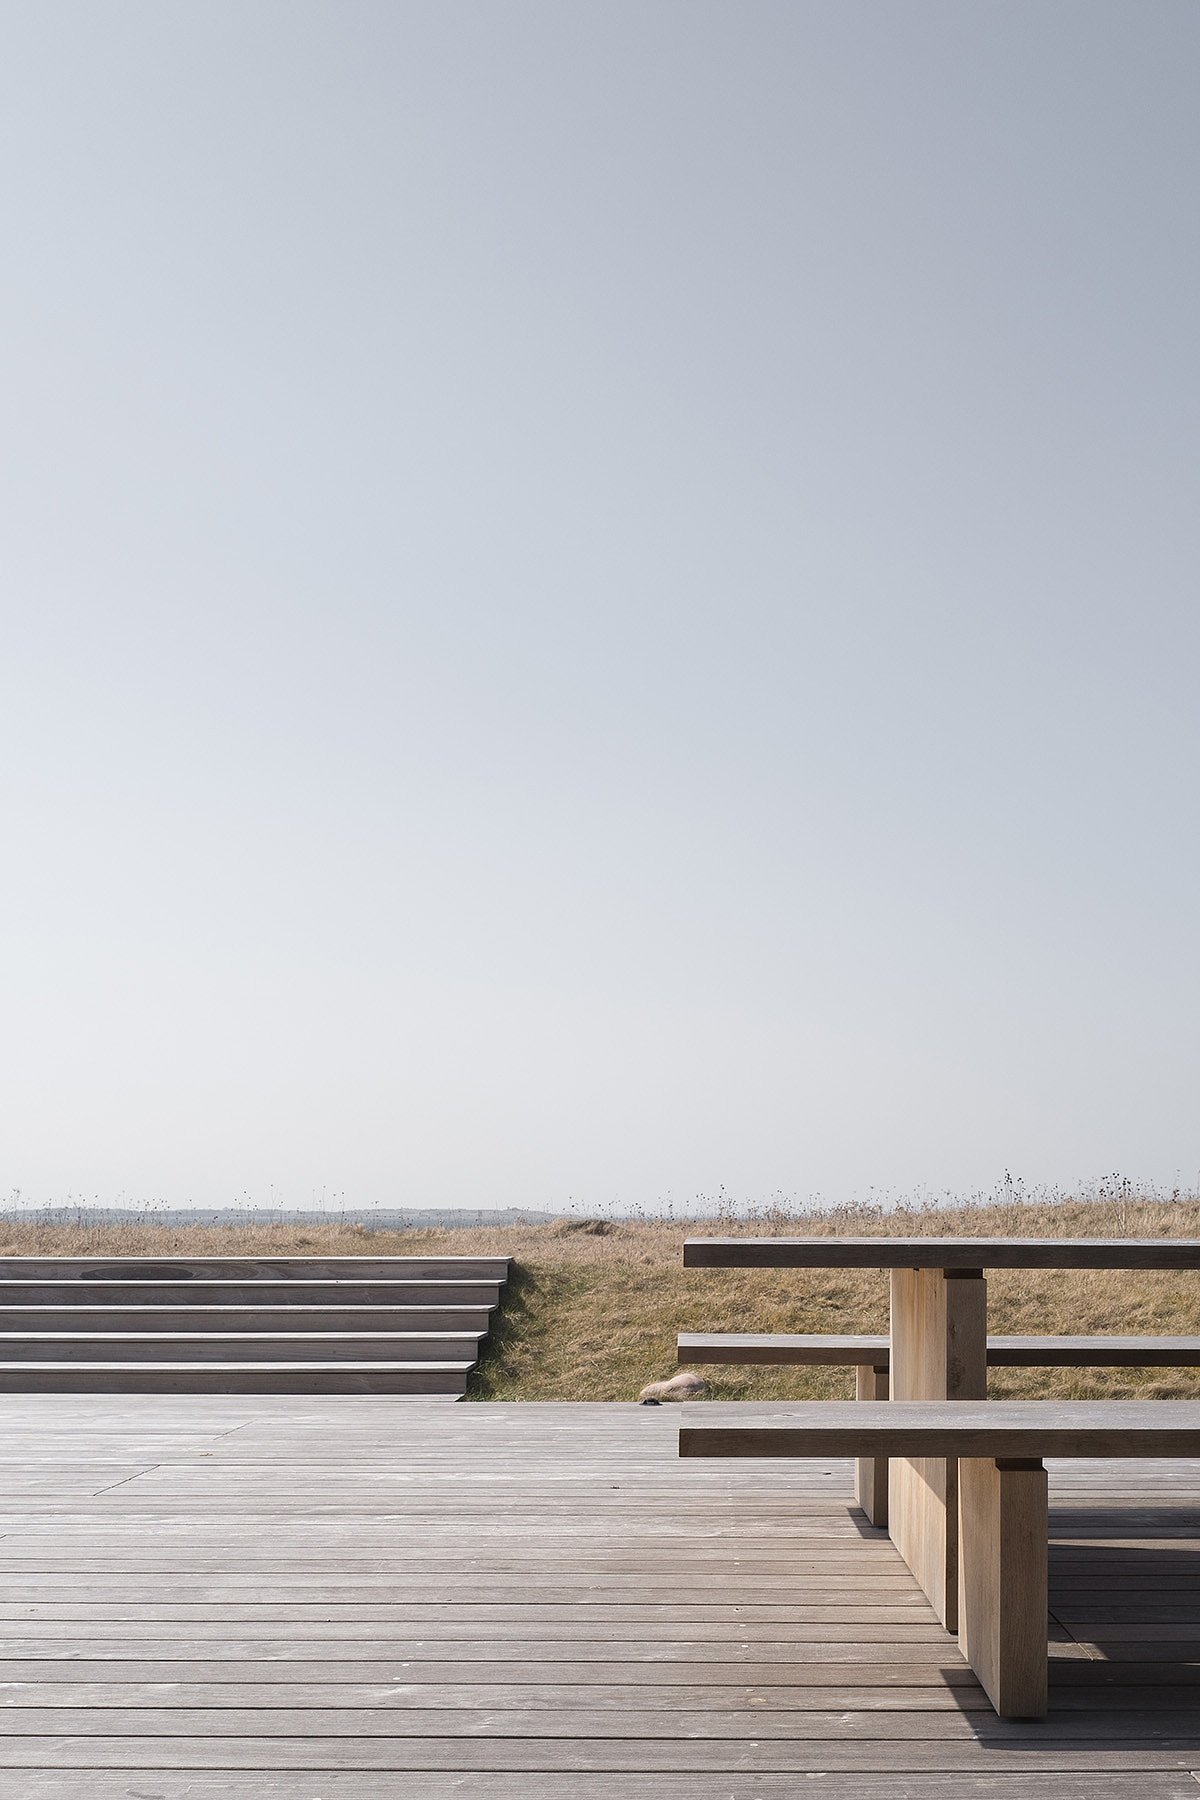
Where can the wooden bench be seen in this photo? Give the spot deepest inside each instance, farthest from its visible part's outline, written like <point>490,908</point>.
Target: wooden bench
<point>1002,1497</point>
<point>870,1358</point>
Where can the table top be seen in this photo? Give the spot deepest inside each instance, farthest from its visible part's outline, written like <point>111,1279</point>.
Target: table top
<point>941,1253</point>
<point>1016,1428</point>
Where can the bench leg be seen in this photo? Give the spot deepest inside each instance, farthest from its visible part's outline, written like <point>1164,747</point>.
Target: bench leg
<point>871,1472</point>
<point>1003,1589</point>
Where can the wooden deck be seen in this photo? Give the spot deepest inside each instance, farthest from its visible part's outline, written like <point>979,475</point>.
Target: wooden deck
<point>277,1598</point>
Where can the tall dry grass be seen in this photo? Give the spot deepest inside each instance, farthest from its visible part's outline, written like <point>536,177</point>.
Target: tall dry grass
<point>593,1306</point>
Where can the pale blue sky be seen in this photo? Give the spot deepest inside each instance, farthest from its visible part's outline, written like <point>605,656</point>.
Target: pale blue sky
<point>599,600</point>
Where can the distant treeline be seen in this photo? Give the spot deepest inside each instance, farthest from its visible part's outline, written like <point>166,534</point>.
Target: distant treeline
<point>370,1218</point>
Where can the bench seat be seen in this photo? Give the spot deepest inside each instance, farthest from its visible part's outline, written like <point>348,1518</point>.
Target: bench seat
<point>1002,1352</point>
<point>870,1357</point>
<point>1003,1529</point>
<point>1022,1428</point>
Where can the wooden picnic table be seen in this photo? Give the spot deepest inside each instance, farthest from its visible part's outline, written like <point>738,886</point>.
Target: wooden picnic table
<point>939,1332</point>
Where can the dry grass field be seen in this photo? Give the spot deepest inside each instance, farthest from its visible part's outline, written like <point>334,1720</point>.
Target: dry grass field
<point>593,1306</point>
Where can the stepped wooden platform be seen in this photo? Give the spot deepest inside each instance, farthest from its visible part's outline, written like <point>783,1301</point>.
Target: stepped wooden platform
<point>387,1599</point>
<point>245,1325</point>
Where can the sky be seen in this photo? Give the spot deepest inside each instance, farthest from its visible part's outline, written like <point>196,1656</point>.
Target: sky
<point>600,601</point>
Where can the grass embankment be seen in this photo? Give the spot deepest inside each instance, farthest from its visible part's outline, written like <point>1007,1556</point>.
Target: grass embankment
<point>593,1307</point>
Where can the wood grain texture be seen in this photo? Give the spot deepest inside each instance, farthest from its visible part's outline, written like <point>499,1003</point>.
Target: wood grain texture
<point>783,1347</point>
<point>281,1598</point>
<point>119,1290</point>
<point>941,1253</point>
<point>71,1376</point>
<point>871,1472</point>
<point>248,1268</point>
<point>210,1320</point>
<point>1003,1584</point>
<point>294,1349</point>
<point>279,1346</point>
<point>807,1348</point>
<point>663,1784</point>
<point>939,1352</point>
<point>1035,1428</point>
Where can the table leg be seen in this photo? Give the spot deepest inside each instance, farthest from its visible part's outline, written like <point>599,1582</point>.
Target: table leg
<point>939,1352</point>
<point>1003,1598</point>
<point>871,1472</point>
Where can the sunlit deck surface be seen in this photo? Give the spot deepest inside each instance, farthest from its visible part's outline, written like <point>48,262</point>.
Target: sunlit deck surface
<point>362,1599</point>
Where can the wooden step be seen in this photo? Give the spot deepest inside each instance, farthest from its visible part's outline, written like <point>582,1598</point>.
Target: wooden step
<point>277,1346</point>
<point>254,1268</point>
<point>405,1325</point>
<point>266,1291</point>
<point>205,1319</point>
<point>449,1378</point>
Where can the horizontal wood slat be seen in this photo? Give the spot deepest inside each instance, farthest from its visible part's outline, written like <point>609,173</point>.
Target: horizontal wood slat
<point>941,1253</point>
<point>249,1268</point>
<point>875,1351</point>
<point>993,1428</point>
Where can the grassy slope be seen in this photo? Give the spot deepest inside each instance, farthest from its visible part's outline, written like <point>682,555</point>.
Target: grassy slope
<point>591,1314</point>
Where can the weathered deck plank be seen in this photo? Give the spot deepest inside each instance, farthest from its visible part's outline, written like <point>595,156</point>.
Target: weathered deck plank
<point>662,1785</point>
